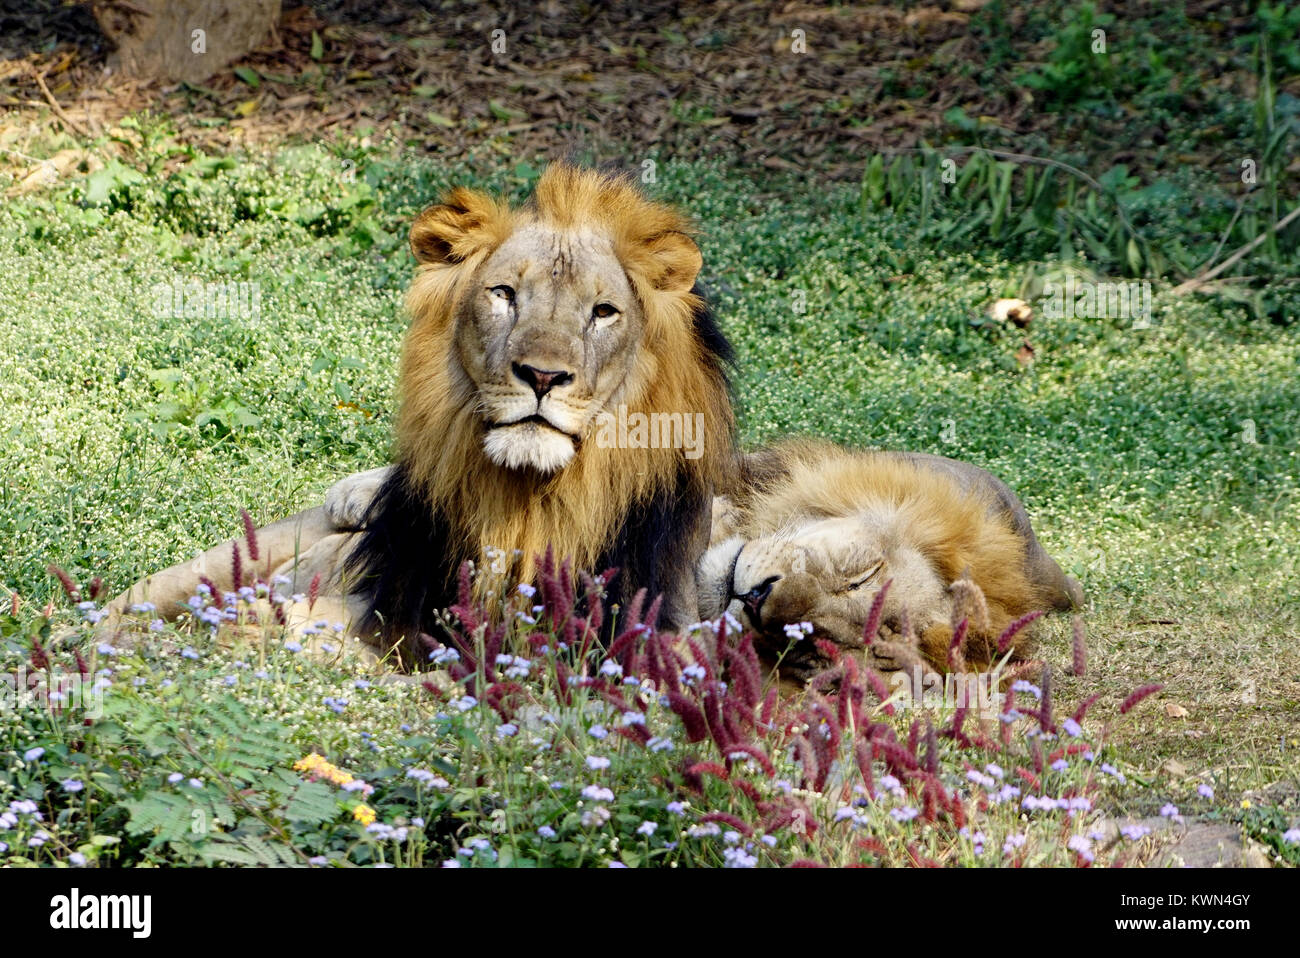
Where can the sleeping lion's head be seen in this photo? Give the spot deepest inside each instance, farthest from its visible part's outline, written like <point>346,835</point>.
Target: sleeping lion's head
<point>823,574</point>
<point>827,572</point>
<point>813,532</point>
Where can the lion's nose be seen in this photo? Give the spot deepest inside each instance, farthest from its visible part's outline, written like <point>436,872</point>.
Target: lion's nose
<point>542,381</point>
<point>753,599</point>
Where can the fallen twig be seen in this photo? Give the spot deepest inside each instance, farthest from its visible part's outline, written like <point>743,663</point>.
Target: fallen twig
<point>54,105</point>
<point>1198,281</point>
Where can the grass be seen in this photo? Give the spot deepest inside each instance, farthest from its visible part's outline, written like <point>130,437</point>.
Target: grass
<point>131,439</point>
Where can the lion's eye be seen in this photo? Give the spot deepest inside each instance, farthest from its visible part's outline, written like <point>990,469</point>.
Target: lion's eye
<point>604,312</point>
<point>870,574</point>
<point>503,292</point>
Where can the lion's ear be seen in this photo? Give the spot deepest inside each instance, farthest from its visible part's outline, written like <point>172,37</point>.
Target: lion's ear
<point>675,260</point>
<point>460,226</point>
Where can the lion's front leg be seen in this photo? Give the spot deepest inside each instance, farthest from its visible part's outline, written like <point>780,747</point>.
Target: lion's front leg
<point>170,589</point>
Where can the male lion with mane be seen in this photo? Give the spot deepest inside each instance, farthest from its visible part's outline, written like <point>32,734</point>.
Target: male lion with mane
<point>527,325</point>
<point>811,532</point>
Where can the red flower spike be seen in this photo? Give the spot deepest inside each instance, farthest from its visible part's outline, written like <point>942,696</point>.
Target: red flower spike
<point>701,659</point>
<point>1137,696</point>
<point>744,681</point>
<point>919,860</point>
<point>492,640</point>
<point>929,803</point>
<point>726,818</point>
<point>957,812</point>
<point>622,648</point>
<point>40,659</point>
<point>1080,663</point>
<point>712,705</point>
<point>633,733</point>
<point>863,755</point>
<point>1008,706</point>
<point>697,729</point>
<point>931,748</point>
<point>69,587</point>
<point>313,591</point>
<point>828,649</point>
<point>236,569</point>
<point>710,768</point>
<point>250,534</point>
<point>749,791</point>
<point>803,750</point>
<point>1086,704</point>
<point>1010,632</point>
<point>1045,720</point>
<point>873,616</point>
<point>562,676</point>
<point>958,720</point>
<point>878,686</point>
<point>746,657</point>
<point>873,845</point>
<point>738,719</point>
<point>899,759</point>
<point>757,754</point>
<point>956,657</point>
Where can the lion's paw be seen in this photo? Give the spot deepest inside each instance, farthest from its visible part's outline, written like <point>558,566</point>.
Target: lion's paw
<point>348,501</point>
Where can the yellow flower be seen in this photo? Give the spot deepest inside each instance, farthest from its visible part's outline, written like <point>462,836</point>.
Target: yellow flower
<point>364,814</point>
<point>310,763</point>
<point>316,766</point>
<point>1245,803</point>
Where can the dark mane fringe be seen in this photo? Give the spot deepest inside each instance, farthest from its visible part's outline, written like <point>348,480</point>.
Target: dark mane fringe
<point>404,565</point>
<point>406,562</point>
<point>651,543</point>
<point>717,347</point>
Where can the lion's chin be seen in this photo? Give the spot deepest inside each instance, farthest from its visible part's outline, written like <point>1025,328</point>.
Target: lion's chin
<point>529,445</point>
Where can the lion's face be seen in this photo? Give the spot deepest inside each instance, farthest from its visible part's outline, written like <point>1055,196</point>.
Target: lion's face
<point>547,334</point>
<point>827,573</point>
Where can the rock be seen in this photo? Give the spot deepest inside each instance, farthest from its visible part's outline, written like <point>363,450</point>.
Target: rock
<point>1015,311</point>
<point>187,40</point>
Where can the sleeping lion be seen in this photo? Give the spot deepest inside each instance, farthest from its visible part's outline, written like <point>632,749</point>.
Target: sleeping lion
<point>812,532</point>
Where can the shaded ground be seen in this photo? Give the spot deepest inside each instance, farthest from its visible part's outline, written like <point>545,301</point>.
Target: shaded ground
<point>650,79</point>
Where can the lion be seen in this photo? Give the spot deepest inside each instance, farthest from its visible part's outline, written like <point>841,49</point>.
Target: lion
<point>532,329</point>
<point>811,532</point>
